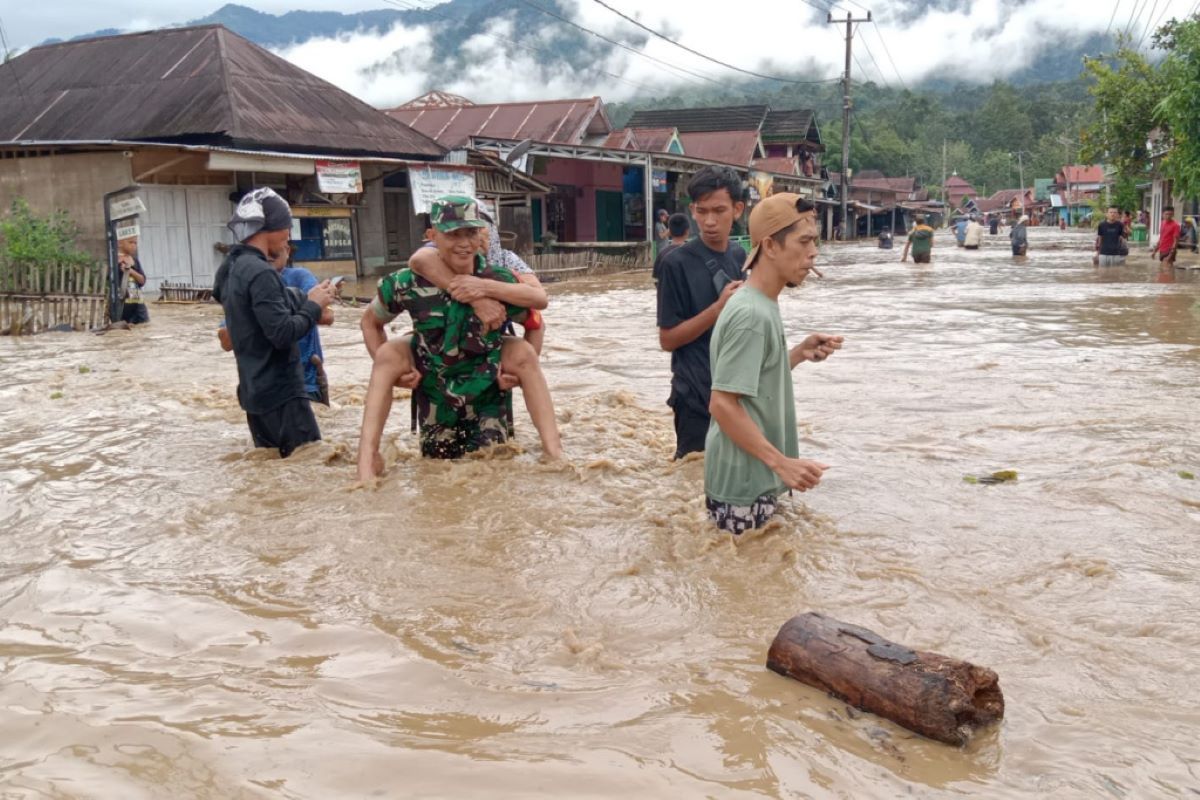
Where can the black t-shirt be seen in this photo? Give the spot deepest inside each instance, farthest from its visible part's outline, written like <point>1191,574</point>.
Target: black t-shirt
<point>686,286</point>
<point>662,253</point>
<point>1110,234</point>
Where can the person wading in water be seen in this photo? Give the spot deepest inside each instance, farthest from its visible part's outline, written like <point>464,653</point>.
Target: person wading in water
<point>695,282</point>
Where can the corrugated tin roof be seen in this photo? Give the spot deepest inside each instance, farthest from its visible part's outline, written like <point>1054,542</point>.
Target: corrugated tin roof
<point>197,85</point>
<point>1083,174</point>
<point>793,124</point>
<point>553,121</point>
<point>729,147</point>
<point>702,120</point>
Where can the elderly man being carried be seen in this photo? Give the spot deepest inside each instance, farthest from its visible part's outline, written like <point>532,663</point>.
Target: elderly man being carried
<point>457,361</point>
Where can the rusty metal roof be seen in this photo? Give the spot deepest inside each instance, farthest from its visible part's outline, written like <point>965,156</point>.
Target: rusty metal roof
<point>729,147</point>
<point>197,85</point>
<point>780,164</point>
<point>702,120</point>
<point>552,121</point>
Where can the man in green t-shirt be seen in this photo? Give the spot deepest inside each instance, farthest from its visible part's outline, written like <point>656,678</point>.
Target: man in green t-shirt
<point>752,454</point>
<point>920,239</point>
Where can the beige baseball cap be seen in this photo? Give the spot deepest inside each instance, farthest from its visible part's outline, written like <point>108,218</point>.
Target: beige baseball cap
<point>769,217</point>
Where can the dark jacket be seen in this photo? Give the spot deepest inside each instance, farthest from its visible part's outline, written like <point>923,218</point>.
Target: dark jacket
<point>265,322</point>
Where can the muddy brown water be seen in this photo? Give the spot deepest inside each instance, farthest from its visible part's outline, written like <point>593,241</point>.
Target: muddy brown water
<point>183,617</point>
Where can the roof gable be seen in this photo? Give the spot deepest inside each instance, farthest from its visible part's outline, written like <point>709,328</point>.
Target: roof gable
<point>197,85</point>
<point>738,148</point>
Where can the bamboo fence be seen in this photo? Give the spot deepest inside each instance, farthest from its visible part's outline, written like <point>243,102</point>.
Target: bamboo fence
<point>183,293</point>
<point>37,298</point>
<point>575,263</point>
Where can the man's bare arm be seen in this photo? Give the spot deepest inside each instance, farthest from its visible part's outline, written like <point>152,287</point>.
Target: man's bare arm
<point>729,413</point>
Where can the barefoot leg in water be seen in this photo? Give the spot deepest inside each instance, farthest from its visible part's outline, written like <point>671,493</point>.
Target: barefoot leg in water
<point>393,366</point>
<point>519,359</point>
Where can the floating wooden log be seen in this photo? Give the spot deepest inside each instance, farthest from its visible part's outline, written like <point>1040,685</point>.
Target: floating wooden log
<point>935,695</point>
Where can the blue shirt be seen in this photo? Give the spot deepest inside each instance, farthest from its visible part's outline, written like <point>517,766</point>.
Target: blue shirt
<point>310,345</point>
<point>960,230</point>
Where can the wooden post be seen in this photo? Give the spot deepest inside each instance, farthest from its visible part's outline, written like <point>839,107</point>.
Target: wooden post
<point>936,696</point>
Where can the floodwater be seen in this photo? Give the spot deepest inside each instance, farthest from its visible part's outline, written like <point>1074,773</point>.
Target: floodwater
<point>183,617</point>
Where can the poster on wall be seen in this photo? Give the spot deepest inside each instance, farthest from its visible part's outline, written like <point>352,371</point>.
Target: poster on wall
<point>339,177</point>
<point>429,184</point>
<point>762,184</point>
<point>337,240</point>
<point>658,181</point>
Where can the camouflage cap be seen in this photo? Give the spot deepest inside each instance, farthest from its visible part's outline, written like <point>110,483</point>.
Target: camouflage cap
<point>453,211</point>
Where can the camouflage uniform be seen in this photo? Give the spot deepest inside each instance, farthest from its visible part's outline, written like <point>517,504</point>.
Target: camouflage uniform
<point>460,406</point>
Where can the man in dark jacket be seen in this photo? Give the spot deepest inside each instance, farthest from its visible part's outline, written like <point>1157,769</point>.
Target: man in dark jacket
<point>265,322</point>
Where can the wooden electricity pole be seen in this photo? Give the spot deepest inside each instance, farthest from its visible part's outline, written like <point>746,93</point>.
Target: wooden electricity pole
<point>845,187</point>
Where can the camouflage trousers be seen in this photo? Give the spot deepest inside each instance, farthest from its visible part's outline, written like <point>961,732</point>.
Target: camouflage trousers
<point>453,429</point>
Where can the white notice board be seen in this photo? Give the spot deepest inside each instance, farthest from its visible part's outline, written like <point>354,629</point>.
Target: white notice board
<point>428,184</point>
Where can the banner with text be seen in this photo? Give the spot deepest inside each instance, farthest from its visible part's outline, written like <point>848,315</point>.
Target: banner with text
<point>339,177</point>
<point>429,184</point>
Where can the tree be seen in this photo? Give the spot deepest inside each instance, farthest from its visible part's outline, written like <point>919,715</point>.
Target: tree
<point>1128,92</point>
<point>1179,106</point>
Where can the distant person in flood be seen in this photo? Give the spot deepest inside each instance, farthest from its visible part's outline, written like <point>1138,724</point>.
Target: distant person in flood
<point>920,240</point>
<point>680,229</point>
<point>994,224</point>
<point>133,278</point>
<point>1110,245</point>
<point>1019,236</point>
<point>661,233</point>
<point>753,454</point>
<point>266,322</point>
<point>1188,234</point>
<point>885,239</point>
<point>973,237</point>
<point>960,231</point>
<point>695,283</point>
<point>1168,238</point>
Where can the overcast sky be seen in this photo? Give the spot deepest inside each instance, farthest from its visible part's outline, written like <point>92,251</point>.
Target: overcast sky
<point>982,40</point>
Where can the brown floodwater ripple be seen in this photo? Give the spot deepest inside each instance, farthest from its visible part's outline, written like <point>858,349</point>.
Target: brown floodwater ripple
<point>181,616</point>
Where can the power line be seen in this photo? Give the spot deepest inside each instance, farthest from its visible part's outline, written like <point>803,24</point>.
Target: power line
<point>11,66</point>
<point>412,6</point>
<point>1108,30</point>
<point>653,32</point>
<point>882,41</point>
<point>1161,14</point>
<point>621,45</point>
<point>878,70</point>
<point>1133,11</point>
<point>1149,19</point>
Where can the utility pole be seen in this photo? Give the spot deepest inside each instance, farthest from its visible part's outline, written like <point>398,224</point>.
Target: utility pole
<point>845,188</point>
<point>945,208</point>
<point>1021,177</point>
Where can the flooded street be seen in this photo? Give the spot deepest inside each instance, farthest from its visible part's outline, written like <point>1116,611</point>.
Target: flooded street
<point>181,616</point>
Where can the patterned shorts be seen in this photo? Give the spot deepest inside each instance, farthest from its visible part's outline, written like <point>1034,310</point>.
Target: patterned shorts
<point>737,519</point>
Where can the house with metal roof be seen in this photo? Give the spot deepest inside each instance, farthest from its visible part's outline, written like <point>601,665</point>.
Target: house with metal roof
<point>176,124</point>
<point>606,184</point>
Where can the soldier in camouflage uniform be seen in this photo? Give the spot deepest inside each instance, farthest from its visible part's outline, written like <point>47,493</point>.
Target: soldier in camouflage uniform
<point>460,404</point>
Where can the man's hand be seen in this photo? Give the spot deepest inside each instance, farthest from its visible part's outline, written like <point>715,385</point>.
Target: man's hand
<point>491,313</point>
<point>816,347</point>
<point>323,294</point>
<point>799,473</point>
<point>468,288</point>
<point>727,293</point>
<point>409,380</point>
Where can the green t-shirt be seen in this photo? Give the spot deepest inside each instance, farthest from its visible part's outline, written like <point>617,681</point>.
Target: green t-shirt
<point>922,240</point>
<point>750,358</point>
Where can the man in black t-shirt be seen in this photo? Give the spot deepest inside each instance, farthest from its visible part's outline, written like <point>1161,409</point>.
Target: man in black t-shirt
<point>695,282</point>
<point>1110,241</point>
